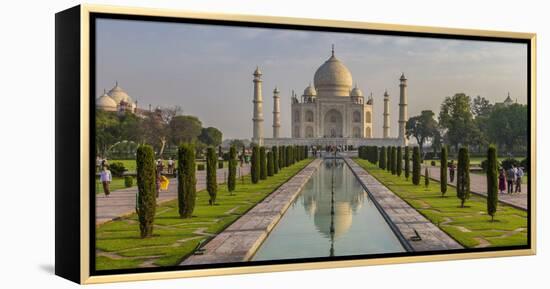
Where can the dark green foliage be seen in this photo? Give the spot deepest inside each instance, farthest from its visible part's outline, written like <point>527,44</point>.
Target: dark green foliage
<point>492,182</point>
<point>117,169</point>
<point>463,176</point>
<point>282,160</point>
<point>232,170</point>
<point>393,160</point>
<point>269,164</point>
<point>399,161</point>
<point>432,163</point>
<point>388,159</point>
<point>407,163</point>
<point>306,152</point>
<point>263,164</point>
<point>211,178</point>
<point>220,165</point>
<point>200,167</point>
<point>416,166</point>
<point>525,164</point>
<point>146,181</point>
<point>382,161</point>
<point>186,180</point>
<point>288,158</point>
<point>426,177</point>
<point>275,151</point>
<point>128,181</point>
<point>507,163</point>
<point>255,164</point>
<point>443,171</point>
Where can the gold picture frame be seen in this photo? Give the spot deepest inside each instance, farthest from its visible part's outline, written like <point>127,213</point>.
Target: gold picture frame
<point>72,52</point>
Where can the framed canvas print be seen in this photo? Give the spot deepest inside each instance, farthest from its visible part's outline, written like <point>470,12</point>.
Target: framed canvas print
<point>194,144</point>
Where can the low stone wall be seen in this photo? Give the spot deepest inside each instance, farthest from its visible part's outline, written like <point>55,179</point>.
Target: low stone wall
<point>240,240</point>
<point>403,218</point>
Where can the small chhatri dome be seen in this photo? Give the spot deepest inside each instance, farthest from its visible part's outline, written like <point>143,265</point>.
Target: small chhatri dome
<point>402,76</point>
<point>276,91</point>
<point>310,91</point>
<point>333,78</point>
<point>118,94</point>
<point>105,102</point>
<point>356,92</point>
<point>257,72</point>
<point>386,93</point>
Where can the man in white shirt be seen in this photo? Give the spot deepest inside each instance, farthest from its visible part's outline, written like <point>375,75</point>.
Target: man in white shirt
<point>106,178</point>
<point>519,175</point>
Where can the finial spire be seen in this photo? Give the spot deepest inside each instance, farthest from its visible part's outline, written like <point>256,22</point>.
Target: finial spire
<point>332,49</point>
<point>116,83</point>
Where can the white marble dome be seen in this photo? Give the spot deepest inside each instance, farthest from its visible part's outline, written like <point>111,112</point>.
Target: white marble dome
<point>107,103</point>
<point>356,92</point>
<point>333,78</point>
<point>118,94</point>
<point>310,91</point>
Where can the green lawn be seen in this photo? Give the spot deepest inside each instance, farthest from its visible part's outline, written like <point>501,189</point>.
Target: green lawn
<point>116,184</point>
<point>119,246</point>
<point>130,165</point>
<point>470,226</point>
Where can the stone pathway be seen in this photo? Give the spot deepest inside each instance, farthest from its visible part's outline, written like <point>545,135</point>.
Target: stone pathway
<point>404,219</point>
<point>123,202</point>
<point>241,239</point>
<point>478,186</point>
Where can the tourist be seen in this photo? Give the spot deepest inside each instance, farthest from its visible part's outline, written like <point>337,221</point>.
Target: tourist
<point>170,165</point>
<point>160,165</point>
<point>106,178</point>
<point>501,182</point>
<point>97,164</point>
<point>511,179</point>
<point>159,177</point>
<point>519,175</point>
<point>452,171</point>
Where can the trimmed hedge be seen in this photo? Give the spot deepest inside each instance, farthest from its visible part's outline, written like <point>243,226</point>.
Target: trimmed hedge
<point>232,170</point>
<point>255,164</point>
<point>492,182</point>
<point>416,166</point>
<point>146,180</point>
<point>211,178</point>
<point>186,180</point>
<point>443,171</point>
<point>463,176</point>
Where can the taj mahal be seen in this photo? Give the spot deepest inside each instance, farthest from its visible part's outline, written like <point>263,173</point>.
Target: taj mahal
<point>330,112</point>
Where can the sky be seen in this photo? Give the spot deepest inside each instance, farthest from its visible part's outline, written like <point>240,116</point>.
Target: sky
<point>207,70</point>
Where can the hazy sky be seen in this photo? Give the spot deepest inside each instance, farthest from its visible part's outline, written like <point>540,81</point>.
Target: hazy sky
<point>207,70</point>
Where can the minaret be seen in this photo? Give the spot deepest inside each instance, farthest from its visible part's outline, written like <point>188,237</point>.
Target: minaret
<point>258,119</point>
<point>386,127</point>
<point>276,113</point>
<point>402,106</point>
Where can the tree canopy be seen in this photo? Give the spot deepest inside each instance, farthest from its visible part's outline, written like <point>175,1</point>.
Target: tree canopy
<point>422,127</point>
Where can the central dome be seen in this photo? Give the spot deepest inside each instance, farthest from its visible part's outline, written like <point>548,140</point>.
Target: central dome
<point>333,78</point>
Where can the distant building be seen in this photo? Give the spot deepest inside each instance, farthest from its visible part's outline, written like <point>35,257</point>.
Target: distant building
<point>116,100</point>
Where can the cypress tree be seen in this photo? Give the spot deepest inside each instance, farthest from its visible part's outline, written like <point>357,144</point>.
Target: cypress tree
<point>263,164</point>
<point>306,152</point>
<point>255,165</point>
<point>463,176</point>
<point>399,161</point>
<point>269,164</point>
<point>426,178</point>
<point>393,160</point>
<point>492,182</point>
<point>416,166</point>
<point>186,180</point>
<point>388,159</point>
<point>211,178</point>
<point>443,171</point>
<point>288,157</point>
<point>407,163</point>
<point>374,154</point>
<point>275,160</point>
<point>382,161</point>
<point>146,181</point>
<point>282,159</point>
<point>232,173</point>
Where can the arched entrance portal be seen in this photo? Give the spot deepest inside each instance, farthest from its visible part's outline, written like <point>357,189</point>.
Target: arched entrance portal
<point>333,124</point>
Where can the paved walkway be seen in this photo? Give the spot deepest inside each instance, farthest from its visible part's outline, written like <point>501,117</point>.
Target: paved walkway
<point>123,202</point>
<point>403,219</point>
<point>478,185</point>
<point>241,239</point>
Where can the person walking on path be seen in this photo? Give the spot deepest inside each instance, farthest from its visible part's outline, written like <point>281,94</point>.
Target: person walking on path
<point>106,178</point>
<point>519,175</point>
<point>452,171</point>
<point>501,182</point>
<point>159,176</point>
<point>511,179</point>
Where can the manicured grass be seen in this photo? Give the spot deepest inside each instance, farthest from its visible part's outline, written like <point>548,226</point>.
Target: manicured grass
<point>116,184</point>
<point>470,226</point>
<point>130,165</point>
<point>119,245</point>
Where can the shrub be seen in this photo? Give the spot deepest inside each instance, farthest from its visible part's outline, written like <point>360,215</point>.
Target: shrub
<point>263,164</point>
<point>463,176</point>
<point>382,162</point>
<point>220,164</point>
<point>306,152</point>
<point>275,160</point>
<point>426,177</point>
<point>509,162</point>
<point>255,166</point>
<point>399,161</point>
<point>128,181</point>
<point>211,178</point>
<point>388,159</point>
<point>407,163</point>
<point>147,187</point>
<point>443,171</point>
<point>117,169</point>
<point>200,167</point>
<point>492,182</point>
<point>416,166</point>
<point>232,170</point>
<point>525,164</point>
<point>432,163</point>
<point>374,154</point>
<point>269,164</point>
<point>186,180</point>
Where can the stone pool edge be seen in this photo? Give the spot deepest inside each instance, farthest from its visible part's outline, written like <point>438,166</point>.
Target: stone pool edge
<point>240,240</point>
<point>401,217</point>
